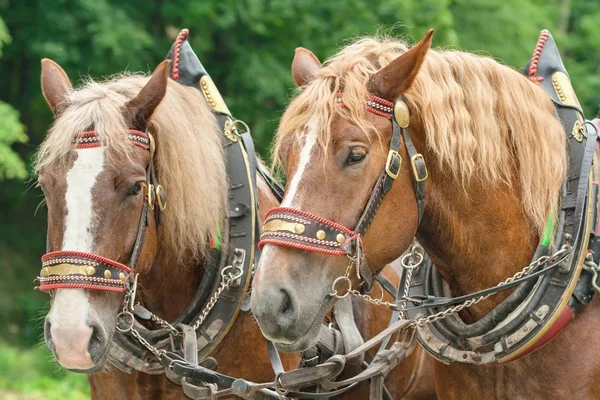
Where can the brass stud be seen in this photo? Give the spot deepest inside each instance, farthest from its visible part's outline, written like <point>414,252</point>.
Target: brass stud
<point>45,271</point>
<point>122,276</point>
<point>299,229</point>
<point>401,113</point>
<point>107,274</point>
<point>321,234</point>
<point>89,271</point>
<point>340,238</point>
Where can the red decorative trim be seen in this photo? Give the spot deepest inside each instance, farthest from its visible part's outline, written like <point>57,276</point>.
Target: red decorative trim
<point>374,104</point>
<point>536,57</point>
<point>177,52</point>
<point>89,139</point>
<point>301,246</point>
<point>66,253</point>
<point>81,286</point>
<point>565,317</point>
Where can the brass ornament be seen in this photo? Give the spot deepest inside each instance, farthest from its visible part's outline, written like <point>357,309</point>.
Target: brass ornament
<point>152,144</point>
<point>401,113</point>
<point>564,89</point>
<point>340,238</point>
<point>212,95</point>
<point>67,269</point>
<point>578,131</point>
<point>122,276</point>
<point>276,225</point>
<point>321,234</point>
<point>44,272</point>
<point>107,274</point>
<point>89,271</point>
<point>299,229</point>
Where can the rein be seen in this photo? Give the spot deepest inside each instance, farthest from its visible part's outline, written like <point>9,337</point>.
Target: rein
<point>285,226</point>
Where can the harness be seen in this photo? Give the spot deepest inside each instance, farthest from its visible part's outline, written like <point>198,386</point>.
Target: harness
<point>539,308</point>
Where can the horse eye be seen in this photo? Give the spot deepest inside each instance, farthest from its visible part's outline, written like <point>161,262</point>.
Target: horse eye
<point>355,157</point>
<point>136,188</point>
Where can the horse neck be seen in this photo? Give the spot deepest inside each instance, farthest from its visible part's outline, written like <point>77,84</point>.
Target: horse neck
<point>169,285</point>
<point>476,237</point>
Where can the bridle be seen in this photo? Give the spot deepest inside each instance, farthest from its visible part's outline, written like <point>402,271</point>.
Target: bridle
<point>66,269</point>
<point>298,229</point>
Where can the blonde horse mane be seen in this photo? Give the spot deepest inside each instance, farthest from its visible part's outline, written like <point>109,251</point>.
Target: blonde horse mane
<point>189,155</point>
<point>483,120</point>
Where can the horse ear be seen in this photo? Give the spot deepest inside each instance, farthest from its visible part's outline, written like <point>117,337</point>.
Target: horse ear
<point>56,86</point>
<point>399,75</point>
<point>142,107</point>
<point>304,66</point>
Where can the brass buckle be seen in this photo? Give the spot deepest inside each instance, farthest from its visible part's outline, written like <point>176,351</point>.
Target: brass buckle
<point>388,164</point>
<point>150,196</point>
<point>159,198</point>
<point>413,161</point>
<point>152,144</point>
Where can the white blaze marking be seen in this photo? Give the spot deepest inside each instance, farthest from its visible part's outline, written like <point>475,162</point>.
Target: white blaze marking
<point>80,181</point>
<point>309,141</point>
<point>70,306</point>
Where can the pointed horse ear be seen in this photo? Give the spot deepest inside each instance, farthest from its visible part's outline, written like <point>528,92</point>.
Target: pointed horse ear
<point>398,76</point>
<point>141,108</point>
<point>304,66</point>
<point>56,86</point>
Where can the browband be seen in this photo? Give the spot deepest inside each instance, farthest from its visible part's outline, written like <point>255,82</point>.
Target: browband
<point>81,270</point>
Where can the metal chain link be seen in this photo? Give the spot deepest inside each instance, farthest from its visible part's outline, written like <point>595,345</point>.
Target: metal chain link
<point>457,308</point>
<point>228,278</point>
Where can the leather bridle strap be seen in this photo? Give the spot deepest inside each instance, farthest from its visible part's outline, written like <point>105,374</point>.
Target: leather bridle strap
<point>73,269</point>
<point>294,228</point>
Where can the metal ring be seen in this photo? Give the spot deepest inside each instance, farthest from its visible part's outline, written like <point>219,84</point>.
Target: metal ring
<point>412,265</point>
<point>231,276</point>
<point>120,317</point>
<point>244,125</point>
<point>334,291</point>
<point>279,386</point>
<point>381,290</point>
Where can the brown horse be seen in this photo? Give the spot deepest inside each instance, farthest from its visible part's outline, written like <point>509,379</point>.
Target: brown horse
<point>95,196</point>
<point>496,159</point>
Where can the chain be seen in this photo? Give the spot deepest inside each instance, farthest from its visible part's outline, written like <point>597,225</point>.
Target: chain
<point>228,279</point>
<point>457,308</point>
<point>126,319</point>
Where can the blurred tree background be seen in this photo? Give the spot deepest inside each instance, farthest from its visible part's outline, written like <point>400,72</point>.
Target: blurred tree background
<point>247,46</point>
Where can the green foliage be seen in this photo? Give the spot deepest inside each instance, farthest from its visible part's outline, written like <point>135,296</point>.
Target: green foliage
<point>33,374</point>
<point>11,130</point>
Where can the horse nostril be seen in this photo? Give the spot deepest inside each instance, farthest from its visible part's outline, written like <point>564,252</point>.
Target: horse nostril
<point>287,306</point>
<point>96,344</point>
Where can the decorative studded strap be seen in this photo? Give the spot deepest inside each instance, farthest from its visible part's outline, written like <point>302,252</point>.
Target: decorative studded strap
<point>294,228</point>
<point>74,269</point>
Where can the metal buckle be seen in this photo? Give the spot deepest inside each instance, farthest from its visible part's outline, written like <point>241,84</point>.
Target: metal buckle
<point>151,195</point>
<point>413,161</point>
<point>159,198</point>
<point>388,164</point>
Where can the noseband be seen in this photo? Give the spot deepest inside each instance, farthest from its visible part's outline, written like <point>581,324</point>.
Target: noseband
<point>80,270</point>
<point>294,228</point>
